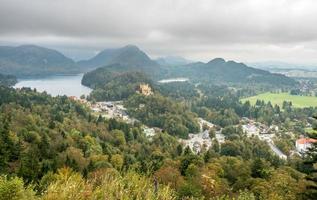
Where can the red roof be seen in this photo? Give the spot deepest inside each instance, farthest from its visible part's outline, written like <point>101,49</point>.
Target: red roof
<point>306,140</point>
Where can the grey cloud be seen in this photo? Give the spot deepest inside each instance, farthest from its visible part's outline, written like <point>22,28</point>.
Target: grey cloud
<point>236,29</point>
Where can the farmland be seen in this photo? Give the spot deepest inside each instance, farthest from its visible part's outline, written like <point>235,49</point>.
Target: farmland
<point>278,98</point>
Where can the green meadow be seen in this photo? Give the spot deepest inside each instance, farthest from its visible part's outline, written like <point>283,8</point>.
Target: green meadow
<point>278,98</point>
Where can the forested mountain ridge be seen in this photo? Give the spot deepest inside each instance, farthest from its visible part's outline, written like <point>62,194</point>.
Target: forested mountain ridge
<point>101,76</point>
<point>7,80</point>
<point>31,60</point>
<point>130,56</point>
<point>66,152</point>
<point>221,71</point>
<point>114,82</point>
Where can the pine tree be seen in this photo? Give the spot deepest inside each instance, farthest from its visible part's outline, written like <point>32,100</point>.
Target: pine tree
<point>310,164</point>
<point>7,147</point>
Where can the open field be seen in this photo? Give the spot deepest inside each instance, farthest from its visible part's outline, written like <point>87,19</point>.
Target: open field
<point>278,98</point>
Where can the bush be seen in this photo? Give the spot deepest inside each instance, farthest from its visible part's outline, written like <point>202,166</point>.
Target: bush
<point>13,189</point>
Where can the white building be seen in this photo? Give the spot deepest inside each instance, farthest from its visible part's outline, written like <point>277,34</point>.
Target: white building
<point>303,144</point>
<point>149,132</point>
<point>220,137</point>
<point>250,130</point>
<point>197,142</point>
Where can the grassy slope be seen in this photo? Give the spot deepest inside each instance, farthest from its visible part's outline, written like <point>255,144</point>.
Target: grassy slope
<point>297,101</point>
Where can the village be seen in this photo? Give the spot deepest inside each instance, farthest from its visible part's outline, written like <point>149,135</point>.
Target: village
<point>202,140</point>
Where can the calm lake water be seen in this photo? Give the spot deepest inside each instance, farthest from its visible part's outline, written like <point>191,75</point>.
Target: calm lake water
<point>171,80</point>
<point>57,85</point>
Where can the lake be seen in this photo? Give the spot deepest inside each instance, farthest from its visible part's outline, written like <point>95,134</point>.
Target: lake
<point>171,80</point>
<point>69,85</point>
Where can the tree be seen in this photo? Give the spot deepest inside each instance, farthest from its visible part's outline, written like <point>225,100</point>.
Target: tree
<point>310,164</point>
<point>99,119</point>
<point>260,168</point>
<point>179,149</point>
<point>281,185</point>
<point>212,133</point>
<point>30,164</point>
<point>190,190</point>
<point>119,138</point>
<point>170,175</point>
<point>215,145</point>
<point>13,189</point>
<point>230,149</point>
<point>117,161</point>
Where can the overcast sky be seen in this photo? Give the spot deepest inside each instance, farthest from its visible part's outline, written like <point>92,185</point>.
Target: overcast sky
<point>242,30</point>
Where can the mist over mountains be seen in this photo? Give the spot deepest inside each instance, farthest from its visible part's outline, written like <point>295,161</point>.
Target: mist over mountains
<point>172,61</point>
<point>127,55</point>
<point>31,60</point>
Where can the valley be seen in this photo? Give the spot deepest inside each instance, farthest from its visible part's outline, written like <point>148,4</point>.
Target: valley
<point>158,100</point>
<point>128,116</point>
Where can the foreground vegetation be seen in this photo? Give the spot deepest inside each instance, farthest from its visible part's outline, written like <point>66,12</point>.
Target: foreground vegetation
<point>279,98</point>
<point>53,148</point>
<point>159,111</point>
<point>102,184</point>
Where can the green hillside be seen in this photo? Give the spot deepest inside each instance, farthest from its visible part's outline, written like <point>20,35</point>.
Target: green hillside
<point>31,60</point>
<point>219,71</point>
<point>279,98</point>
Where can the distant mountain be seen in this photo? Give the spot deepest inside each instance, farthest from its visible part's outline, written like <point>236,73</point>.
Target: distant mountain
<point>130,56</point>
<point>220,71</point>
<point>7,80</point>
<point>172,61</point>
<point>31,60</point>
<point>273,65</point>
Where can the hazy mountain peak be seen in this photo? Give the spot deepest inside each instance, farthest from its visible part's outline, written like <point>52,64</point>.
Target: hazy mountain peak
<point>217,61</point>
<point>29,46</point>
<point>130,56</point>
<point>172,60</point>
<point>131,47</point>
<point>34,60</point>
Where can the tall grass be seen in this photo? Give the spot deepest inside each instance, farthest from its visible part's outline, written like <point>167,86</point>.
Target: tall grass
<point>105,185</point>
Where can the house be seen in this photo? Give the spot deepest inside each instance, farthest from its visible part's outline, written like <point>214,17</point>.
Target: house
<point>274,128</point>
<point>303,144</point>
<point>250,130</point>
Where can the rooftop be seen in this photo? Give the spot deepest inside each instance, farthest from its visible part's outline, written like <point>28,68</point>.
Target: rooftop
<point>305,140</point>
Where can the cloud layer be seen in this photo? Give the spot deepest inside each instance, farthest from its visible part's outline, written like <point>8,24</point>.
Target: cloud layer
<point>244,30</point>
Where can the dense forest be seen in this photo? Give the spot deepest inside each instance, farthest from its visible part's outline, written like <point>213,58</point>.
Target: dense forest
<point>159,111</point>
<point>56,148</point>
<point>113,85</point>
<point>158,100</point>
<point>220,71</point>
